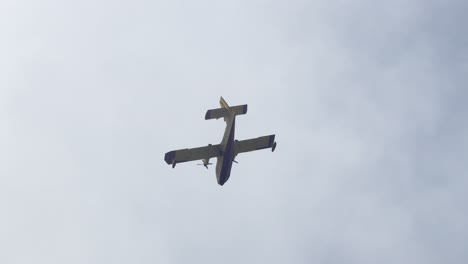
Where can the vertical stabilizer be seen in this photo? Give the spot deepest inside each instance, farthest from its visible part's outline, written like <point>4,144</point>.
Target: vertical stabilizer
<point>224,104</point>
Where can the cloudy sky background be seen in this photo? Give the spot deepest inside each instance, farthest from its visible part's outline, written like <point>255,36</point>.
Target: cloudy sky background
<point>367,99</point>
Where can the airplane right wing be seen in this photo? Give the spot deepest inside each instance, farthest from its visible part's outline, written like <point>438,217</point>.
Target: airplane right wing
<point>184,155</point>
<point>254,144</point>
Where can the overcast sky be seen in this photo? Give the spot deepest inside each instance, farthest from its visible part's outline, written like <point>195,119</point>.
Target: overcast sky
<point>368,101</point>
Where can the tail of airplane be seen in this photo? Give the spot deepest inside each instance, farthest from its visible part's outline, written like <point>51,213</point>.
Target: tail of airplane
<point>224,104</point>
<point>225,110</point>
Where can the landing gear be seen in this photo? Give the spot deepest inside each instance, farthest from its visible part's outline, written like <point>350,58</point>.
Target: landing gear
<point>273,147</point>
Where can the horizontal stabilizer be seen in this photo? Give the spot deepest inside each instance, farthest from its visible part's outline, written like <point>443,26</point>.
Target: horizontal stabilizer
<point>222,112</point>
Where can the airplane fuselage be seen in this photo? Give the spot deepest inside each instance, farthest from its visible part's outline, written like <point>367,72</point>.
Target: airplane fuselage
<point>224,162</point>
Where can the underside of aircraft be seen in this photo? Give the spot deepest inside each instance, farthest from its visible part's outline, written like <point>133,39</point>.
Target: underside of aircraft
<point>228,149</point>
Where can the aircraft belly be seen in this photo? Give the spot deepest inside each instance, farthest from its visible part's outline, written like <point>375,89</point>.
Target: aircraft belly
<point>224,171</point>
<point>224,164</point>
<point>219,167</point>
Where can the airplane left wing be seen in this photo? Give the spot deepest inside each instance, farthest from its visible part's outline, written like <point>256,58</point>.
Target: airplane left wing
<point>184,155</point>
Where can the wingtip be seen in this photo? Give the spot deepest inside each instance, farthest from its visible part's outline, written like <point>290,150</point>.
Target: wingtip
<point>169,157</point>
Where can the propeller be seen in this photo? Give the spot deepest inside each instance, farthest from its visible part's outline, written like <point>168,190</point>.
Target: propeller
<point>205,163</point>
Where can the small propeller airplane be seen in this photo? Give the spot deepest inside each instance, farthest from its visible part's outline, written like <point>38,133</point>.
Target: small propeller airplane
<point>228,149</point>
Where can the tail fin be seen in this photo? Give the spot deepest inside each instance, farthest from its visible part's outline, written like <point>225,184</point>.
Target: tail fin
<point>224,104</point>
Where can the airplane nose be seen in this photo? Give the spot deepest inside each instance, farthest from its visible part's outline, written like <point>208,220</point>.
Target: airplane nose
<point>221,182</point>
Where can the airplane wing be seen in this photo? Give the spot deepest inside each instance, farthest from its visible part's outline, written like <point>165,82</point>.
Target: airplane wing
<point>254,144</point>
<point>184,155</point>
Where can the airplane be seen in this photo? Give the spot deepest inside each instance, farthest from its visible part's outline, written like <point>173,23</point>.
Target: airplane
<point>228,149</point>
